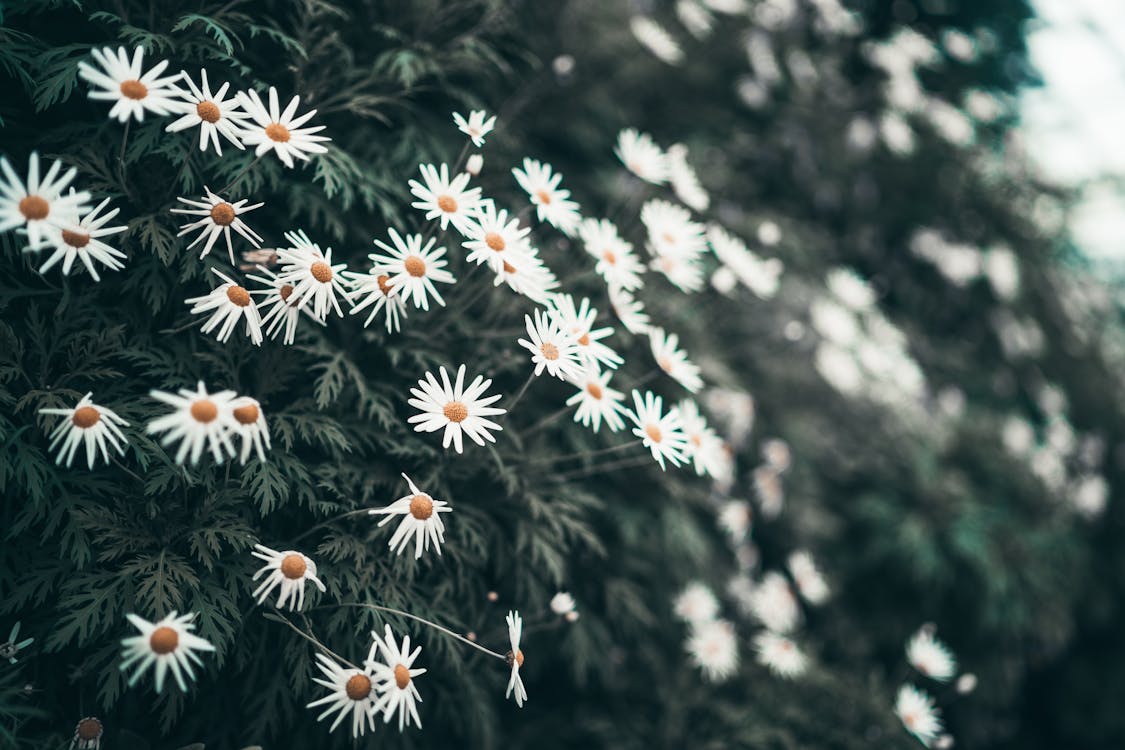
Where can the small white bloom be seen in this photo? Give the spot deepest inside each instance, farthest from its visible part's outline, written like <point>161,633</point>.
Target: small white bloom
<point>213,114</point>
<point>200,420</point>
<point>552,348</point>
<point>120,81</point>
<point>777,454</point>
<point>219,217</point>
<point>780,654</point>
<point>168,644</point>
<point>705,449</point>
<point>228,303</point>
<point>412,268</point>
<point>476,127</point>
<point>474,164</point>
<point>280,131</point>
<point>597,401</point>
<point>250,425</point>
<point>353,693</point>
<point>695,18</point>
<point>552,204</point>
<point>760,276</point>
<point>515,659</point>
<point>696,604</point>
<point>673,360</point>
<point>660,433</point>
<point>617,264</point>
<point>630,311</point>
<point>310,272</point>
<point>89,424</point>
<point>38,205</point>
<point>851,289</point>
<point>658,41</point>
<point>810,582</point>
<point>773,603</point>
<point>450,201</point>
<point>80,239</point>
<point>375,290</point>
<point>735,517</point>
<point>578,321</point>
<point>714,649</point>
<point>397,672</point>
<point>496,239</point>
<point>529,277</point>
<point>930,656</point>
<point>87,734</point>
<point>289,570</point>
<point>562,604</point>
<point>641,156</point>
<point>671,230</point>
<point>421,520</point>
<point>915,709</point>
<point>771,494</point>
<point>684,272</point>
<point>685,182</point>
<point>966,683</point>
<point>455,409</point>
<point>283,312</point>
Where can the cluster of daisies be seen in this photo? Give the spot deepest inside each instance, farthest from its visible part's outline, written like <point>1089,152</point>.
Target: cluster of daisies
<point>915,708</point>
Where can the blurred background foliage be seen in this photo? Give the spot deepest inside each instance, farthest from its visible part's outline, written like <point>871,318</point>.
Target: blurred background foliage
<point>964,488</point>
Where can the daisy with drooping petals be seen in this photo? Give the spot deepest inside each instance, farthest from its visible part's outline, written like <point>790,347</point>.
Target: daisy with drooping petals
<point>38,205</point>
<point>672,360</point>
<point>214,115</point>
<point>515,658</point>
<point>397,691</point>
<point>641,156</point>
<point>200,420</point>
<point>578,321</point>
<point>87,734</point>
<point>250,425</point>
<point>773,604</point>
<point>630,311</point>
<point>552,348</point>
<point>421,520</point>
<point>597,401</point>
<point>374,290</point>
<point>714,649</point>
<point>552,204</point>
<point>685,183</point>
<point>930,656</point>
<point>660,433</point>
<point>282,311</point>
<point>476,127</point>
<point>780,654</point>
<point>672,231</point>
<point>705,448</point>
<point>218,218</point>
<point>11,647</point>
<point>120,81</point>
<point>810,582</point>
<point>617,264</point>
<point>450,201</point>
<point>497,240</point>
<point>167,643</point>
<point>354,693</point>
<point>696,604</point>
<point>412,268</point>
<point>311,273</point>
<point>528,276</point>
<point>915,709</point>
<point>289,570</point>
<point>79,239</point>
<point>277,131</point>
<point>89,424</point>
<point>229,303</point>
<point>762,277</point>
<point>454,408</point>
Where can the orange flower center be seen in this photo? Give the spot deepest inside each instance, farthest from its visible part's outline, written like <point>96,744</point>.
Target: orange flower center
<point>247,414</point>
<point>285,291</point>
<point>85,417</point>
<point>204,410</point>
<point>415,266</point>
<point>75,239</point>
<point>88,729</point>
<point>665,364</point>
<point>594,390</point>
<point>238,296</point>
<point>584,339</point>
<point>544,197</point>
<point>669,238</point>
<point>495,241</point>
<point>696,440</point>
<point>321,271</point>
<point>550,351</point>
<point>208,111</point>
<point>609,257</point>
<point>384,285</point>
<point>293,566</point>
<point>509,268</point>
<point>421,506</point>
<point>164,640</point>
<point>358,687</point>
<point>34,208</point>
<point>446,203</point>
<point>516,657</point>
<point>654,433</point>
<point>402,676</point>
<point>134,89</point>
<point>455,411</point>
<point>277,132</point>
<point>222,214</point>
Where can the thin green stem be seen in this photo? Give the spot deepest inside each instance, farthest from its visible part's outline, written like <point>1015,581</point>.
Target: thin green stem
<point>522,391</point>
<point>554,416</point>
<point>241,173</point>
<point>424,621</point>
<point>328,522</point>
<point>313,639</point>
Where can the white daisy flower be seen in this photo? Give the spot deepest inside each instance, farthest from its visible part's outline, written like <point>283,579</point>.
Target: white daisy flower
<point>451,201</point>
<point>735,517</point>
<point>218,217</point>
<point>705,448</point>
<point>412,268</point>
<point>167,643</point>
<point>771,494</point>
<point>228,303</point>
<point>474,164</point>
<point>915,709</point>
<point>714,649</point>
<point>696,604</point>
<point>250,425</point>
<point>777,454</point>
<point>38,205</point>
<point>685,182</point>
<point>515,658</point>
<point>930,656</point>
<point>398,693</point>
<point>641,156</point>
<point>630,311</point>
<point>658,41</point>
<point>281,132</point>
<point>671,230</point>
<point>497,240</point>
<point>353,692</point>
<point>11,647</point>
<point>289,570</point>
<point>772,602</point>
<point>454,408</point>
<point>597,401</point>
<point>617,264</point>
<point>562,604</point>
<point>90,424</point>
<point>87,734</point>
<point>200,420</point>
<point>310,271</point>
<point>780,654</point>
<point>213,114</point>
<point>476,127</point>
<point>673,360</point>
<point>685,273</point>
<point>120,81</point>
<point>421,520</point>
<point>552,204</point>
<point>762,277</point>
<point>282,313</point>
<point>374,290</point>
<point>660,433</point>
<point>530,278</point>
<point>579,323</point>
<point>80,239</point>
<point>552,348</point>
<point>810,582</point>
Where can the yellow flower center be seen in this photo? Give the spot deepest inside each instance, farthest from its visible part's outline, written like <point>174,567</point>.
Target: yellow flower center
<point>164,640</point>
<point>446,203</point>
<point>134,90</point>
<point>665,364</point>
<point>609,257</point>
<point>358,687</point>
<point>293,566</point>
<point>208,111</point>
<point>509,268</point>
<point>415,266</point>
<point>75,239</point>
<point>495,241</point>
<point>654,433</point>
<point>544,197</point>
<point>247,414</point>
<point>285,291</point>
<point>421,506</point>
<point>594,390</point>
<point>85,417</point>
<point>277,132</point>
<point>204,411</point>
<point>223,214</point>
<point>402,676</point>
<point>517,657</point>
<point>238,295</point>
<point>384,285</point>
<point>321,271</point>
<point>584,339</point>
<point>550,351</point>
<point>455,411</point>
<point>34,208</point>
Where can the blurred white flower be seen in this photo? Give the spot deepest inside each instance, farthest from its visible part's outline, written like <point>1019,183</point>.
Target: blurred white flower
<point>773,603</point>
<point>656,39</point>
<point>810,582</point>
<point>930,656</point>
<point>780,654</point>
<point>696,604</point>
<point>915,709</point>
<point>714,649</point>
